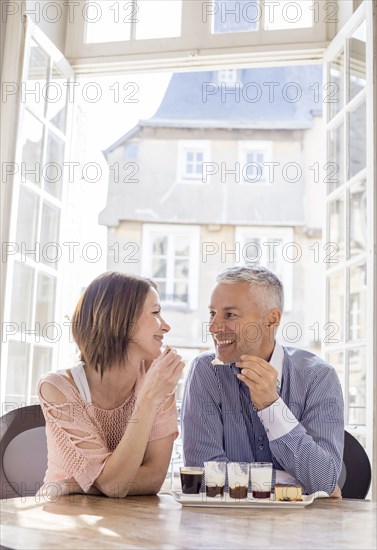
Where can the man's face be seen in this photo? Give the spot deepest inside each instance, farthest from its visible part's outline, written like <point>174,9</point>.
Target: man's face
<point>239,324</point>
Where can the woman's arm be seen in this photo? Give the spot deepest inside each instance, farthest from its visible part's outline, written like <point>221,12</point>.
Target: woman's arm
<point>119,470</point>
<point>152,472</point>
<point>121,473</point>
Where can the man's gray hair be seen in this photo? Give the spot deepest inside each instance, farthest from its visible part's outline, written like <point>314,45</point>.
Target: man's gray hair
<point>270,284</point>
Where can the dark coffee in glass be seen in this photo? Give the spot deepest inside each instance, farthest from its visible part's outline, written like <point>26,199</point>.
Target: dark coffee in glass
<point>191,480</point>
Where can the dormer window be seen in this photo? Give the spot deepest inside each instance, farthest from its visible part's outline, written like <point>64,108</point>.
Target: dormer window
<point>228,77</point>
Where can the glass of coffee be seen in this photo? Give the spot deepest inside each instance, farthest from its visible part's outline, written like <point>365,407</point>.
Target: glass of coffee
<point>261,479</point>
<point>238,479</point>
<point>191,479</point>
<point>214,474</point>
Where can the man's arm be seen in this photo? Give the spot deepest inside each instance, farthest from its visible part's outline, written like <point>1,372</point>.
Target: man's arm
<point>202,425</point>
<point>312,450</point>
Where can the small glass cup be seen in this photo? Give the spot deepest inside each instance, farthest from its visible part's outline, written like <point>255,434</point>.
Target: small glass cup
<point>214,473</point>
<point>191,479</point>
<point>238,479</point>
<point>261,479</point>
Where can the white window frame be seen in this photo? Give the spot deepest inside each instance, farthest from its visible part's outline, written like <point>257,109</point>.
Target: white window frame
<point>257,146</point>
<point>264,235</point>
<point>368,256</point>
<point>208,48</point>
<point>32,32</point>
<point>189,231</point>
<point>185,146</point>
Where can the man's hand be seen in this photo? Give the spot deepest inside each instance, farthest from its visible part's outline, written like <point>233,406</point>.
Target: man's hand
<point>260,377</point>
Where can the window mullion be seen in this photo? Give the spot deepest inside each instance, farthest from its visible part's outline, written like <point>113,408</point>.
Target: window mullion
<point>194,24</point>
<point>133,21</point>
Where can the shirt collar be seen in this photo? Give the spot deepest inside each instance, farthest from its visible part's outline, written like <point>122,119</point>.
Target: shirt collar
<point>277,361</point>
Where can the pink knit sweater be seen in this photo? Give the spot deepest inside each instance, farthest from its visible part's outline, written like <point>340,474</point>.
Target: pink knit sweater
<point>103,428</point>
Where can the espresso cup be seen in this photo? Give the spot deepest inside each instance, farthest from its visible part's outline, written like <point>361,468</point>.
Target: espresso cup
<point>191,479</point>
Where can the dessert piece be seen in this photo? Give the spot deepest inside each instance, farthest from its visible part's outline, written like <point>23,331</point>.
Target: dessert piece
<point>286,492</point>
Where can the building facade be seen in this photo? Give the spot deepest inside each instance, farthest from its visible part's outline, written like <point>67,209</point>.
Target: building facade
<point>224,173</point>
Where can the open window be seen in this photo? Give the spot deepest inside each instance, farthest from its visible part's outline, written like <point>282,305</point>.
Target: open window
<point>349,191</point>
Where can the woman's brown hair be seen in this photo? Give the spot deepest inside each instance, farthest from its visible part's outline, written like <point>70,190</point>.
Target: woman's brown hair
<point>105,318</point>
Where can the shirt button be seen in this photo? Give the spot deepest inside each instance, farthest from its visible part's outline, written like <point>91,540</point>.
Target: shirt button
<point>261,447</point>
<point>260,438</point>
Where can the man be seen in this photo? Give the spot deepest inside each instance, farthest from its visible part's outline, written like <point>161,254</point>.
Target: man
<point>258,401</point>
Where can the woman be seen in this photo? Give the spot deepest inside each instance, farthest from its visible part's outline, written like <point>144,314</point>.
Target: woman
<point>110,422</point>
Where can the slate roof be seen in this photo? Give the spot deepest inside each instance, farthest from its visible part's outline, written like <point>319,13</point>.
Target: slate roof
<point>264,100</point>
<point>265,97</point>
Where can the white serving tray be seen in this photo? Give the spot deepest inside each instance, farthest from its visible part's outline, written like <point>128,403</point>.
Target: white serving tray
<point>226,502</point>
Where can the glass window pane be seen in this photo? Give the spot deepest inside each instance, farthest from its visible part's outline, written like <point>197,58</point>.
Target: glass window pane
<point>180,292</point>
<point>234,15</point>
<point>356,74</point>
<point>42,363</point>
<point>160,19</point>
<point>335,247</point>
<point>27,219</point>
<point>50,235</point>
<point>109,21</point>
<point>288,15</point>
<point>53,169</point>
<point>32,137</point>
<point>357,308</point>
<point>356,386</point>
<point>45,306</point>
<point>357,140</point>
<point>17,375</point>
<point>251,251</point>
<point>22,295</point>
<point>272,259</point>
<point>335,172</point>
<point>57,99</point>
<point>181,270</point>
<point>182,246</point>
<point>334,92</point>
<point>335,304</point>
<point>160,246</point>
<point>357,219</point>
<point>37,77</point>
<point>159,268</point>
<point>161,287</point>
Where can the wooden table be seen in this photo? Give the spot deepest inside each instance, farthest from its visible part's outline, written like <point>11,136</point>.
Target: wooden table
<point>78,521</point>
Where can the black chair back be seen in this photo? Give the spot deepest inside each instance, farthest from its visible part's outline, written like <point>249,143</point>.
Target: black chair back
<point>356,474</point>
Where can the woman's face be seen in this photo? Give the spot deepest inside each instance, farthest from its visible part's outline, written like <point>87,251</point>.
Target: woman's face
<point>150,329</point>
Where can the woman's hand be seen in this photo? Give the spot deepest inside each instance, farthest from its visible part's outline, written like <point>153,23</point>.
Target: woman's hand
<point>163,375</point>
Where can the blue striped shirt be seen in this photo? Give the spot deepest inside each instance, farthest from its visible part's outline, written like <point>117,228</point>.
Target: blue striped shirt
<point>219,421</point>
